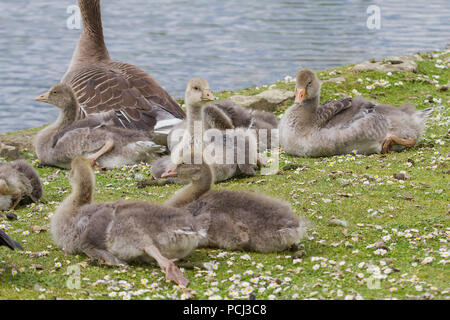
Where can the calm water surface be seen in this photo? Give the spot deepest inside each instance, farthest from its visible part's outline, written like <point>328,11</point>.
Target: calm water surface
<point>234,44</point>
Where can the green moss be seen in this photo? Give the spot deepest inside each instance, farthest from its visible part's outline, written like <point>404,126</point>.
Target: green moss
<point>411,216</point>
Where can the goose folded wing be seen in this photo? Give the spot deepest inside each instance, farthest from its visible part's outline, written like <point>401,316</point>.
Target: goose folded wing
<point>81,141</point>
<point>125,89</point>
<point>330,109</point>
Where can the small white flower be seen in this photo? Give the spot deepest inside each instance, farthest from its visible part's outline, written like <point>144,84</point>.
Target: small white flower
<point>246,257</point>
<point>427,260</point>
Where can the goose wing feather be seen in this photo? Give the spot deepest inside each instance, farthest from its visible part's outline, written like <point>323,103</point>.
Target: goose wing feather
<point>330,109</point>
<point>123,88</point>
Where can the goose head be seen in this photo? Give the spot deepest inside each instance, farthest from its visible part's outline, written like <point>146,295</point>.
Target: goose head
<point>307,86</point>
<point>189,172</point>
<point>198,93</point>
<point>59,95</point>
<point>185,172</point>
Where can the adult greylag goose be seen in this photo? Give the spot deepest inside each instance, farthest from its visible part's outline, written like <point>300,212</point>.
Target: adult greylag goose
<point>238,220</point>
<point>19,183</point>
<point>345,125</point>
<point>69,136</point>
<point>123,231</point>
<point>5,240</point>
<point>232,150</point>
<point>133,97</point>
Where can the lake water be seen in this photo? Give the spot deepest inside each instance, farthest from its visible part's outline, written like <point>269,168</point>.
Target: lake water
<point>233,44</point>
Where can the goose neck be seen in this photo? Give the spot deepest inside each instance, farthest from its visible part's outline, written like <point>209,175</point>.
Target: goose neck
<point>68,114</point>
<point>91,47</point>
<point>194,117</point>
<point>194,190</point>
<point>83,190</point>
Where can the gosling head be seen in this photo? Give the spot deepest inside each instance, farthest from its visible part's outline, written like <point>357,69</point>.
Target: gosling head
<point>60,95</point>
<point>184,171</point>
<point>81,170</point>
<point>307,86</point>
<point>188,171</point>
<point>198,93</point>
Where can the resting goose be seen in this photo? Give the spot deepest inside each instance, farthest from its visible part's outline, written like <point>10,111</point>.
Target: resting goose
<point>211,130</point>
<point>123,231</point>
<point>135,98</point>
<point>238,220</point>
<point>249,119</point>
<point>19,182</point>
<point>68,137</point>
<point>225,114</point>
<point>346,125</point>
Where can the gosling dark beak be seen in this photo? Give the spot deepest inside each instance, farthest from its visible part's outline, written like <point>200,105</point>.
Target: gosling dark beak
<point>170,173</point>
<point>208,96</point>
<point>300,95</point>
<point>43,97</point>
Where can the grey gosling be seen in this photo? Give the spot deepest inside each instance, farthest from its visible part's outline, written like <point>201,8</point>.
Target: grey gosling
<point>345,125</point>
<point>19,183</point>
<point>250,119</point>
<point>69,136</point>
<point>225,115</point>
<point>238,145</point>
<point>123,231</point>
<point>238,220</point>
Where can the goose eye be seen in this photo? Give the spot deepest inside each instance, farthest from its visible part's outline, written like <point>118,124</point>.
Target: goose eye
<point>196,88</point>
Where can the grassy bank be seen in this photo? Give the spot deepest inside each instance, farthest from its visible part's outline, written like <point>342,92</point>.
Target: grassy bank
<point>396,206</point>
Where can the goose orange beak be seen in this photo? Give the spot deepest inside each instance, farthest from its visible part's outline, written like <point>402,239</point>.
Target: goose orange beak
<point>172,172</point>
<point>208,96</point>
<point>43,97</point>
<point>300,95</point>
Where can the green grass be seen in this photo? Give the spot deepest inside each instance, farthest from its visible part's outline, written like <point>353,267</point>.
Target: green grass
<point>408,220</point>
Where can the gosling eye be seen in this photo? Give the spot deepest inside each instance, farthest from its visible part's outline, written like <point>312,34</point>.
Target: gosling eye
<point>196,88</point>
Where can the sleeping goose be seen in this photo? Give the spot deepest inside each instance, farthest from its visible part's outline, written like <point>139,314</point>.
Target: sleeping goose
<point>100,84</point>
<point>232,150</point>
<point>238,220</point>
<point>107,145</point>
<point>123,231</point>
<point>19,183</point>
<point>346,125</point>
